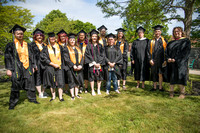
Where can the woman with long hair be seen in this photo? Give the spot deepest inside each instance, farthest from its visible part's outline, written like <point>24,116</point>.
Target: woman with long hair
<point>177,52</point>
<point>94,56</point>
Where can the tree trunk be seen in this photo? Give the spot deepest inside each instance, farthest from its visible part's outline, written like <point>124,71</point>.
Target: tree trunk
<point>188,16</point>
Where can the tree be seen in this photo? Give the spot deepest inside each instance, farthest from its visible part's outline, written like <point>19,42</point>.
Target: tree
<point>159,9</point>
<point>56,20</point>
<point>9,16</point>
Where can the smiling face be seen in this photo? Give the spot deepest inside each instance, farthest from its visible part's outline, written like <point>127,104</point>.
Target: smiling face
<point>120,35</point>
<point>39,37</point>
<point>111,41</point>
<point>63,38</point>
<point>52,40</point>
<point>177,33</point>
<point>157,33</point>
<point>19,35</point>
<point>94,38</point>
<point>140,34</point>
<point>72,41</point>
<point>82,36</point>
<point>103,32</point>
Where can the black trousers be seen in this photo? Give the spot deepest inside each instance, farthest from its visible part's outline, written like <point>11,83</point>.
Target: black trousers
<point>14,97</point>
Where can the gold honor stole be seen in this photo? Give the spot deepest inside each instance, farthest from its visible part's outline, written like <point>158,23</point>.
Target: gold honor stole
<point>22,52</point>
<point>73,56</point>
<point>153,44</point>
<point>39,45</point>
<point>83,49</point>
<point>121,47</point>
<point>101,41</point>
<point>55,58</point>
<point>61,44</point>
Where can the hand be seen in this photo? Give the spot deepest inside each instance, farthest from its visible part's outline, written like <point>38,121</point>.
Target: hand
<point>173,60</point>
<point>97,65</point>
<point>79,67</point>
<point>169,60</point>
<point>133,62</point>
<point>36,68</point>
<point>75,67</point>
<point>151,62</point>
<point>56,66</point>
<point>9,73</point>
<point>33,70</point>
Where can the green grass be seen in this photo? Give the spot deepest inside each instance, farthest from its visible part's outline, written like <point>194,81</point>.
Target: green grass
<point>134,110</point>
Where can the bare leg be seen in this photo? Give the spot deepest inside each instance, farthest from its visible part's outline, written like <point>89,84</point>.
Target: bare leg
<point>171,93</point>
<point>160,81</point>
<point>39,90</point>
<point>143,84</point>
<point>86,86</point>
<point>53,92</point>
<point>138,84</point>
<point>60,92</point>
<point>98,87</point>
<point>182,89</point>
<point>154,85</point>
<point>92,88</point>
<point>72,92</point>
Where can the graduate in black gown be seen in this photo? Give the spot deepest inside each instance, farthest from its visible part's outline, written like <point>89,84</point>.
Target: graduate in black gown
<point>82,43</point>
<point>37,46</point>
<point>62,41</point>
<point>123,45</point>
<point>113,58</point>
<point>62,38</point>
<point>156,55</point>
<point>103,40</point>
<point>73,59</point>
<point>94,56</point>
<point>51,59</point>
<point>177,53</point>
<point>139,57</point>
<point>20,64</point>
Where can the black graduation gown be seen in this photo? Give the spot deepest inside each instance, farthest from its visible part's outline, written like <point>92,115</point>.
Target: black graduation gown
<point>85,66</point>
<point>139,55</point>
<point>180,51</point>
<point>22,79</point>
<point>158,56</point>
<point>113,55</point>
<point>39,73</point>
<point>96,54</point>
<point>53,78</point>
<point>125,61</point>
<point>75,78</point>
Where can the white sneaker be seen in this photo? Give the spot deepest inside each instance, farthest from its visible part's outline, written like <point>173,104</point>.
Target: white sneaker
<point>93,93</point>
<point>107,92</point>
<point>99,92</point>
<point>42,96</point>
<point>117,91</point>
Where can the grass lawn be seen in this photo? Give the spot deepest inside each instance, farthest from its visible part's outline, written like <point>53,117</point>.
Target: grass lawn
<point>134,110</point>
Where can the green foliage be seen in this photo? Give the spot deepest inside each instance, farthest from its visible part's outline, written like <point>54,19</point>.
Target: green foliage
<point>195,33</point>
<point>56,20</point>
<point>9,16</point>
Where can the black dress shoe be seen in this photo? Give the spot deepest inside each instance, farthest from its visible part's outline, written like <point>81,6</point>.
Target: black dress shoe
<point>34,101</point>
<point>153,89</point>
<point>62,100</point>
<point>51,99</point>
<point>11,107</point>
<point>161,90</point>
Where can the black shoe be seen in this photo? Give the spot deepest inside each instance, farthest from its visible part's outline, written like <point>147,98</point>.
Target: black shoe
<point>153,89</point>
<point>161,90</point>
<point>11,107</point>
<point>80,90</point>
<point>62,100</point>
<point>36,102</point>
<point>78,96</point>
<point>51,99</point>
<point>72,98</point>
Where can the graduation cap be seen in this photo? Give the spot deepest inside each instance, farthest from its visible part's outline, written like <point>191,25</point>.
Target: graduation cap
<point>71,35</point>
<point>102,27</point>
<point>37,31</point>
<point>62,31</point>
<point>94,32</point>
<point>16,28</point>
<point>157,27</point>
<point>141,29</point>
<point>120,30</point>
<point>110,35</point>
<point>82,31</point>
<point>51,34</point>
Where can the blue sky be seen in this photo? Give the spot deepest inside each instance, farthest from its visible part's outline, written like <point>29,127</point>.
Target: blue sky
<point>84,10</point>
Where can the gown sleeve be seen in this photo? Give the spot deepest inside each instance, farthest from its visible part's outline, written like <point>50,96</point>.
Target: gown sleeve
<point>9,57</point>
<point>45,56</point>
